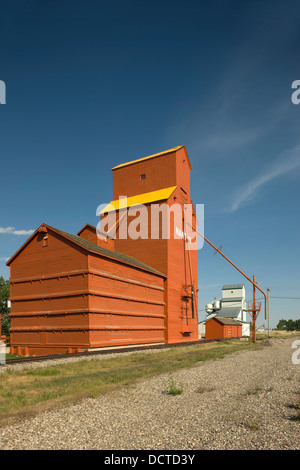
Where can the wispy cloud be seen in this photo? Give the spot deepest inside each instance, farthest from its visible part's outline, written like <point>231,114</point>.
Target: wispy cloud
<point>13,231</point>
<point>4,259</point>
<point>287,161</point>
<point>237,107</point>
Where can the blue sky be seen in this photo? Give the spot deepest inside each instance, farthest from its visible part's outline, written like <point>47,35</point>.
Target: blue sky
<point>92,84</point>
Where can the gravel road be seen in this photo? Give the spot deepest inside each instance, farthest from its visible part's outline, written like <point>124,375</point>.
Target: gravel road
<point>245,401</point>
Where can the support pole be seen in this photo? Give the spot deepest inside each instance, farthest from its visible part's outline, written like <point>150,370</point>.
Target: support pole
<point>268,295</point>
<point>254,312</point>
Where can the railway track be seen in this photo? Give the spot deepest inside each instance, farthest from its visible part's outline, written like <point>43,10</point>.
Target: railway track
<point>120,350</point>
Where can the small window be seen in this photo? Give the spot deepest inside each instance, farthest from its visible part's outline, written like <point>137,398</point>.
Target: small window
<point>143,176</point>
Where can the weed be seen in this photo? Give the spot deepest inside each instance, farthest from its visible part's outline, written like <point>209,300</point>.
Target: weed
<point>172,388</point>
<point>254,424</point>
<point>254,391</point>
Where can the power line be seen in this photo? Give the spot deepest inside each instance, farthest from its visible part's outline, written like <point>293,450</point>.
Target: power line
<point>290,298</point>
<point>275,297</point>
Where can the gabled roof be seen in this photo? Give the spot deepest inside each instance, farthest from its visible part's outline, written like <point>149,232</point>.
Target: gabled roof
<point>86,226</point>
<point>165,152</point>
<point>145,198</point>
<point>226,321</point>
<point>91,247</point>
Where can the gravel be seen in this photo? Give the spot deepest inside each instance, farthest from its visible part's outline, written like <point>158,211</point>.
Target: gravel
<point>245,401</point>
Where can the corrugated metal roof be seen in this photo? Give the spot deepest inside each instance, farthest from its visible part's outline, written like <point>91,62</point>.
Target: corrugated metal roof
<point>145,198</point>
<point>229,312</point>
<point>233,286</point>
<point>165,152</point>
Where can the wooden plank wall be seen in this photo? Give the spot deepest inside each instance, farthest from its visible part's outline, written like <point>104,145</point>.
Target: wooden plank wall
<point>65,299</point>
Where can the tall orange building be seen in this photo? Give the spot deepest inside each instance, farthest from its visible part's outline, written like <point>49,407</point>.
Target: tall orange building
<point>161,180</point>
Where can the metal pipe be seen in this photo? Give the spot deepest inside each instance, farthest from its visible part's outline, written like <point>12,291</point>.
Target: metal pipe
<point>193,308</point>
<point>227,259</point>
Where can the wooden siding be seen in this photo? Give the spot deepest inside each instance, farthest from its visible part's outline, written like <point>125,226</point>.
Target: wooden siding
<point>67,297</point>
<point>160,173</point>
<point>127,305</point>
<point>64,298</point>
<point>166,255</point>
<point>216,330</point>
<point>90,233</point>
<point>49,296</point>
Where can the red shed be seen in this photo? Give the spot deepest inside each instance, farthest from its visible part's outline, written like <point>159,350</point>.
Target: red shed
<point>219,327</point>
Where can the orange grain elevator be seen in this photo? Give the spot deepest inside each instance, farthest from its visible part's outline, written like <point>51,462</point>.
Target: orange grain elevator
<point>161,237</point>
<point>132,281</point>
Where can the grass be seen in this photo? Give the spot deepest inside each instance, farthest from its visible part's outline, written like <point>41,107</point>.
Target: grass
<point>254,424</point>
<point>279,334</point>
<point>255,391</point>
<point>30,390</point>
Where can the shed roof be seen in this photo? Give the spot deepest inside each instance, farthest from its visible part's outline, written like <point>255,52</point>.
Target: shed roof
<point>145,198</point>
<point>91,247</point>
<point>165,152</point>
<point>226,321</point>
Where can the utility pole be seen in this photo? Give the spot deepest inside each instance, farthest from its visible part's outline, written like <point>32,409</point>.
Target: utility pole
<point>254,312</point>
<point>268,296</point>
